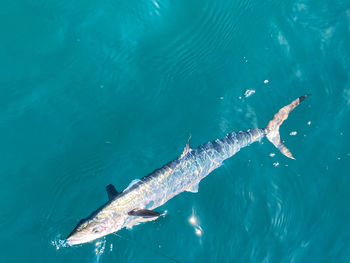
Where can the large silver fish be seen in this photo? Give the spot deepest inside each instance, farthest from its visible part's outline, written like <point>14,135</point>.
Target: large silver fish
<point>136,203</point>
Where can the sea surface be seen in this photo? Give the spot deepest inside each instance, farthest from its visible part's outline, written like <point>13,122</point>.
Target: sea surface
<point>100,92</point>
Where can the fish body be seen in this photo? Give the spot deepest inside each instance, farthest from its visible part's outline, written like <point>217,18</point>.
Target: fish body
<point>136,203</point>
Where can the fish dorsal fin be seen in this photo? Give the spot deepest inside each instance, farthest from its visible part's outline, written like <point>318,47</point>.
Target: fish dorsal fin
<point>133,182</point>
<point>111,191</point>
<point>144,213</point>
<point>193,188</point>
<point>187,148</point>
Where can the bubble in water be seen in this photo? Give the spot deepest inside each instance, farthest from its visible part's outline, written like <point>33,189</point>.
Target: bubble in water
<point>100,246</point>
<point>156,4</point>
<point>198,231</point>
<point>192,220</point>
<point>293,133</point>
<point>59,243</point>
<point>266,81</point>
<point>276,164</point>
<point>272,154</point>
<point>249,92</point>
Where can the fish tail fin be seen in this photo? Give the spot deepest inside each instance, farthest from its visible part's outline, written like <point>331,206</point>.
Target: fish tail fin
<point>272,129</point>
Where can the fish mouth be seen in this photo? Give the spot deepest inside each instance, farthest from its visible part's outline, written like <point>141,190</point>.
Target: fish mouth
<point>71,241</point>
<point>74,239</point>
<point>77,239</point>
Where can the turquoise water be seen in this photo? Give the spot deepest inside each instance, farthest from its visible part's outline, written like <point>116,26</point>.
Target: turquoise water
<point>100,92</point>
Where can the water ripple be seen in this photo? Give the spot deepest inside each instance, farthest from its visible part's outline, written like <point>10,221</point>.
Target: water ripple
<point>208,29</point>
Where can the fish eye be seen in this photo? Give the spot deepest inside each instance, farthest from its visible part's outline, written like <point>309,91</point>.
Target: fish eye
<point>95,230</point>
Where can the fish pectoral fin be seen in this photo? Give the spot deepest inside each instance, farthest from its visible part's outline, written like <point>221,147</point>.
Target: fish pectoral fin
<point>193,188</point>
<point>143,212</point>
<point>111,191</point>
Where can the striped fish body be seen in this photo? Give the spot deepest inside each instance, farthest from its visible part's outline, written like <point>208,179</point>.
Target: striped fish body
<point>136,203</point>
<point>193,165</point>
<point>182,174</point>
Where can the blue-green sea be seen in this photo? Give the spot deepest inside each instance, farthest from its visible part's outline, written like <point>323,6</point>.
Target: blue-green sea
<point>100,92</point>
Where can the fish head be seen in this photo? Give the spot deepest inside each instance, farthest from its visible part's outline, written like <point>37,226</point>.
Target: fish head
<point>88,230</point>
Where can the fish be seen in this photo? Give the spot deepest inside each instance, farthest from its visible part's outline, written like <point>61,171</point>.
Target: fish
<point>137,203</point>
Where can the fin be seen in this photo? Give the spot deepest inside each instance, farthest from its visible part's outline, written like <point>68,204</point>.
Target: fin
<point>135,181</point>
<point>272,129</point>
<point>111,191</point>
<point>193,188</point>
<point>139,220</point>
<point>143,212</point>
<point>187,148</point>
